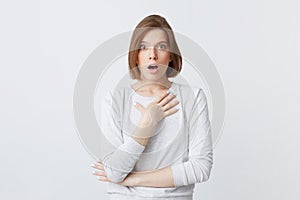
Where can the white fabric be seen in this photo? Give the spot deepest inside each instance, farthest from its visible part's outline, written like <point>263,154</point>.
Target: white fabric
<point>182,141</point>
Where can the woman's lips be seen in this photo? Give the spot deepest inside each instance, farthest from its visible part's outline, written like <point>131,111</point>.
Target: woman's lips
<point>153,69</point>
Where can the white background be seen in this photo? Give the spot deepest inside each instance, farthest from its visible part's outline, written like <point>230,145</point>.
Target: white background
<point>255,46</point>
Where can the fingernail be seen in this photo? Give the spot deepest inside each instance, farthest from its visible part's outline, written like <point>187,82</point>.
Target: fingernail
<point>134,103</point>
<point>92,165</point>
<point>169,91</point>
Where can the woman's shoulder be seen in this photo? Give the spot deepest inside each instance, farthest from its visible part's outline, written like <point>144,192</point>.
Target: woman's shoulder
<point>188,90</point>
<point>118,92</point>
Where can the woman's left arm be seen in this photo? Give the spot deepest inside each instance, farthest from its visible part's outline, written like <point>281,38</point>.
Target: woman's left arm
<point>154,178</point>
<point>196,169</point>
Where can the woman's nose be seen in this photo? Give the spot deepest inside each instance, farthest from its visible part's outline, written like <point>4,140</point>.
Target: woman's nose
<point>152,54</point>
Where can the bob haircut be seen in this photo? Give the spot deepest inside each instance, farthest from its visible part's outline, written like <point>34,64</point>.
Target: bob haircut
<point>148,23</point>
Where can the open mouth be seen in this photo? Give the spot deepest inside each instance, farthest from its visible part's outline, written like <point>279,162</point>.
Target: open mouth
<point>153,68</point>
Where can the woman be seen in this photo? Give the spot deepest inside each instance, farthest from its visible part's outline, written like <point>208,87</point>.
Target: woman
<point>161,129</point>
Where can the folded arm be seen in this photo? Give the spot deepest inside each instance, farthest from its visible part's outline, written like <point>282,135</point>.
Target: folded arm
<point>121,161</point>
<point>197,168</point>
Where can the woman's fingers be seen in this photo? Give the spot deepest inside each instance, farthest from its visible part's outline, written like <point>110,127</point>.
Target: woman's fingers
<point>170,105</point>
<point>167,99</point>
<point>105,179</point>
<point>101,176</point>
<point>171,111</point>
<point>98,166</point>
<point>99,173</point>
<point>161,97</point>
<point>157,109</point>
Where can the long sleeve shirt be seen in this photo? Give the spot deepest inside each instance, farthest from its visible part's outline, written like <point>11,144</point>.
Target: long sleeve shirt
<point>181,141</point>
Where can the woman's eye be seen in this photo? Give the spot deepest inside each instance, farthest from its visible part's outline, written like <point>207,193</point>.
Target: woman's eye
<point>142,46</point>
<point>162,46</point>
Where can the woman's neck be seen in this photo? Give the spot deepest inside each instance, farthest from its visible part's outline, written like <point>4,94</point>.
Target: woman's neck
<point>150,88</point>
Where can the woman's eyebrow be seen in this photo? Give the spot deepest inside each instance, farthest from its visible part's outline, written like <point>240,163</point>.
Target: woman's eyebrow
<point>163,41</point>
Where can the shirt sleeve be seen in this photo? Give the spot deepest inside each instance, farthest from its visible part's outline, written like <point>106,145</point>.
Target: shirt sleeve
<point>119,162</point>
<point>197,168</point>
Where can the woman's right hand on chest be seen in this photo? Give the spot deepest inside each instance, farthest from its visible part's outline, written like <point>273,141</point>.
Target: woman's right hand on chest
<point>161,107</point>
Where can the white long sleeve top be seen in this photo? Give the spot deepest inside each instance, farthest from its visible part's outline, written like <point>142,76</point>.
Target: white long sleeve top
<point>181,141</point>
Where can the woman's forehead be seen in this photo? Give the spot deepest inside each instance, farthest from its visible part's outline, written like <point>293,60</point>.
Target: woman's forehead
<point>154,36</point>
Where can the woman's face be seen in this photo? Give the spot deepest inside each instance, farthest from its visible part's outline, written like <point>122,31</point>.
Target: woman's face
<point>154,55</point>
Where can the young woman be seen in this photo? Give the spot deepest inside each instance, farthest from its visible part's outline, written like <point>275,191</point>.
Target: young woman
<point>161,129</point>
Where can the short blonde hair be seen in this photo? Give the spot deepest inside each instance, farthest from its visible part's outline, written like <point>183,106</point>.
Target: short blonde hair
<point>148,23</point>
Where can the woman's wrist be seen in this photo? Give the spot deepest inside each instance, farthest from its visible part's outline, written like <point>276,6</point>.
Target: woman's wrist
<point>153,178</point>
<point>136,179</point>
<point>143,132</point>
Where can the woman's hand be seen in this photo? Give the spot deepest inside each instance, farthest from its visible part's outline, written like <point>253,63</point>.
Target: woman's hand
<point>160,108</point>
<point>130,180</point>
